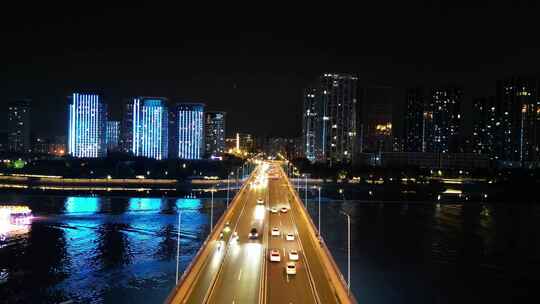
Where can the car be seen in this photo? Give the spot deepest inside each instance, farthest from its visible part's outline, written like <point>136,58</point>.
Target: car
<point>273,210</point>
<point>221,235</point>
<point>274,255</point>
<point>293,255</point>
<point>235,236</point>
<point>283,209</point>
<point>260,201</point>
<point>289,236</point>
<point>275,231</point>
<point>253,234</point>
<point>290,268</point>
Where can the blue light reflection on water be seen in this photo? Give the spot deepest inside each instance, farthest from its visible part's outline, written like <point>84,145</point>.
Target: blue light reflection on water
<point>82,205</point>
<point>101,249</point>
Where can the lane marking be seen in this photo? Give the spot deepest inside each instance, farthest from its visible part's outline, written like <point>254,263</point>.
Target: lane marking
<point>287,277</point>
<point>239,276</point>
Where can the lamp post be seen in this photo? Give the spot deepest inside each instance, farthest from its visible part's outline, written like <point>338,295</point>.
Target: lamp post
<point>228,186</point>
<point>178,247</point>
<point>320,234</point>
<point>212,210</point>
<point>305,195</point>
<point>348,250</point>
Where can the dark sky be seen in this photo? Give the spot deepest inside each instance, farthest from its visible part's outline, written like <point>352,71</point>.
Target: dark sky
<point>253,61</point>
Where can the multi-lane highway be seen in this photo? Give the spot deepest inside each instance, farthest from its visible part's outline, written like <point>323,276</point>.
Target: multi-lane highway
<point>231,269</point>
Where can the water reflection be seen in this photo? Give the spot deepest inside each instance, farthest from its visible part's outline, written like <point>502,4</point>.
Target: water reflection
<point>81,205</point>
<point>145,204</point>
<point>93,249</point>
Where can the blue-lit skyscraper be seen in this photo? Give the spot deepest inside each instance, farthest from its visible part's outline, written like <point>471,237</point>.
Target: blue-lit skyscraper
<point>150,127</point>
<point>113,135</point>
<point>189,133</point>
<point>87,125</point>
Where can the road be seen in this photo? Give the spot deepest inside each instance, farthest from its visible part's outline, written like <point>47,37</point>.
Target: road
<point>240,271</point>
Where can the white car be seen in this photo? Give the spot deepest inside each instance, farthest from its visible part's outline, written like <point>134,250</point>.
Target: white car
<point>274,255</point>
<point>260,201</point>
<point>293,255</point>
<point>290,268</point>
<point>275,231</point>
<point>273,210</point>
<point>289,236</point>
<point>284,209</point>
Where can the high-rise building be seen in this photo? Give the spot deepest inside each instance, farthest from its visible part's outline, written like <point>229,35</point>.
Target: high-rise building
<point>312,125</point>
<point>40,145</point>
<point>87,125</point>
<point>414,120</point>
<point>113,135</point>
<point>339,97</point>
<point>519,114</point>
<point>485,127</point>
<point>329,119</point>
<point>126,132</point>
<point>150,127</point>
<point>19,126</point>
<point>215,133</point>
<point>374,119</point>
<point>443,120</point>
<point>189,133</point>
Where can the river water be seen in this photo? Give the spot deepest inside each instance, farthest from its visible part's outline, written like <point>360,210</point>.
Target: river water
<point>116,250</point>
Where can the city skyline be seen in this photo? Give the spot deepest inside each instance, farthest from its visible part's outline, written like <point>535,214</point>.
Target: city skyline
<point>236,69</point>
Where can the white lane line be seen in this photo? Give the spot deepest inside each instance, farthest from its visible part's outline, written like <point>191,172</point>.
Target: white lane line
<point>240,275</point>
<point>232,301</point>
<point>283,252</point>
<point>287,276</point>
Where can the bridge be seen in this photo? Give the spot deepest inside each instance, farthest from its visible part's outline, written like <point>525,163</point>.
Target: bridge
<point>233,265</point>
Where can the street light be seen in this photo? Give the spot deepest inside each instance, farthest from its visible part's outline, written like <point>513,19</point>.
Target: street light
<point>178,246</point>
<point>305,195</point>
<point>348,250</point>
<point>228,186</point>
<point>212,210</point>
<point>320,211</point>
<point>348,243</point>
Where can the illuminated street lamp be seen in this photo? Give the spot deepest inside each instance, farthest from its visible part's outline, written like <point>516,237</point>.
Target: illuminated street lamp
<point>348,250</point>
<point>212,209</point>
<point>178,246</point>
<point>228,186</point>
<point>319,211</point>
<point>305,193</point>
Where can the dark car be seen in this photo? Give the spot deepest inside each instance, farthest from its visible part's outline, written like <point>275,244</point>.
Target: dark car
<point>253,234</point>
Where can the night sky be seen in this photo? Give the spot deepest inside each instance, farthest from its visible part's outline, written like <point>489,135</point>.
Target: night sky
<point>254,61</point>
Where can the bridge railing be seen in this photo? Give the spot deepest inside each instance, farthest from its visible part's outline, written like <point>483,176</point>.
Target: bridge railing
<point>332,269</point>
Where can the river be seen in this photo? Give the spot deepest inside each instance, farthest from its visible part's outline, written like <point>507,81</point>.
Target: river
<point>117,250</point>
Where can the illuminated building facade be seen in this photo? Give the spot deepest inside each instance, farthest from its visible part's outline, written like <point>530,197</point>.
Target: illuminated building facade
<point>189,133</point>
<point>113,135</point>
<point>87,126</point>
<point>486,125</point>
<point>19,126</point>
<point>215,133</point>
<point>443,119</point>
<point>414,120</point>
<point>126,132</point>
<point>519,114</point>
<point>150,127</point>
<point>338,96</point>
<point>312,125</point>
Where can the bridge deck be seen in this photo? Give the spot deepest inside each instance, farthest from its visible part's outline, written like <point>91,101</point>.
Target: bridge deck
<point>239,271</point>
